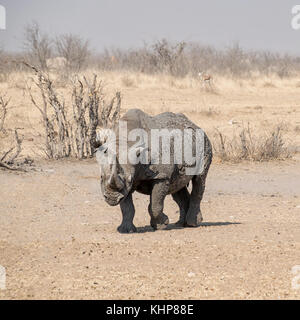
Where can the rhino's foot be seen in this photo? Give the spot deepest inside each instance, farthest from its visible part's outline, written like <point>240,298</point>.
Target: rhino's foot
<point>160,223</point>
<point>180,223</point>
<point>127,228</point>
<point>193,220</point>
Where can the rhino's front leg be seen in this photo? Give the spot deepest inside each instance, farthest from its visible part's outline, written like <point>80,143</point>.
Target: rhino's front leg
<point>128,212</point>
<point>159,191</point>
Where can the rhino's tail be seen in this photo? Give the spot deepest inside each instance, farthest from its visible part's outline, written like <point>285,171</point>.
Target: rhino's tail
<point>208,155</point>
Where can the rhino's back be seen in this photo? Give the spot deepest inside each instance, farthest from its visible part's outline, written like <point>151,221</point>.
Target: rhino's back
<point>173,120</point>
<point>137,118</point>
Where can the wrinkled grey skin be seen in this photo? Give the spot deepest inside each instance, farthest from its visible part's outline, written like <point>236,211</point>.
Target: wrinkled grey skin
<point>119,181</point>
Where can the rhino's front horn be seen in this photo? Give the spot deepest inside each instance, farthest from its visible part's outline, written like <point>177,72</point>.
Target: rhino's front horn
<point>115,181</point>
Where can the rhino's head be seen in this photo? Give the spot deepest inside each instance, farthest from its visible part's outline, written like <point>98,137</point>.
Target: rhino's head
<point>116,179</point>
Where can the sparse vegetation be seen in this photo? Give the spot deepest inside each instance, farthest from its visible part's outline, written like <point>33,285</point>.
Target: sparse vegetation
<point>74,50</point>
<point>71,101</point>
<point>179,59</point>
<point>248,145</point>
<point>182,59</point>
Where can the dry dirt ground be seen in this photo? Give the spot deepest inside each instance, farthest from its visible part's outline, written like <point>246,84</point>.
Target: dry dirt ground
<point>58,238</point>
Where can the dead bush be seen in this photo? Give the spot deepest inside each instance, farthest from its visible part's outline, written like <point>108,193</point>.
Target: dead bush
<point>3,111</point>
<point>248,145</point>
<point>74,50</point>
<point>168,57</point>
<point>9,158</point>
<point>71,131</point>
<point>38,45</point>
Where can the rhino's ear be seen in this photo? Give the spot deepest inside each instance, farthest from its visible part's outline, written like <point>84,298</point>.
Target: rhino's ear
<point>96,144</point>
<point>103,148</point>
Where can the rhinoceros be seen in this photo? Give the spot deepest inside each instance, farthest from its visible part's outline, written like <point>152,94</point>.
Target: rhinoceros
<point>146,175</point>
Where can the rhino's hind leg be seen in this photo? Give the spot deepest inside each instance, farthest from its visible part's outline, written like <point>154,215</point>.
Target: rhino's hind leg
<point>182,198</point>
<point>194,216</point>
<point>159,220</point>
<point>128,212</point>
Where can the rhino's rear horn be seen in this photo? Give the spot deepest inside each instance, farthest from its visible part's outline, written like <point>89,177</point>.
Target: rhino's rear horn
<point>115,182</point>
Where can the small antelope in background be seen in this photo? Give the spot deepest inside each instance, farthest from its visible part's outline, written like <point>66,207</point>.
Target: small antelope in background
<point>205,78</point>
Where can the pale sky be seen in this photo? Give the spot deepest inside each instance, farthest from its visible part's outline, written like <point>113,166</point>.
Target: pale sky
<point>255,24</point>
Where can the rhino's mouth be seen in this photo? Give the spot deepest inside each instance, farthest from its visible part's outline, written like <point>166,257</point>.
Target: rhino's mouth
<point>114,201</point>
<point>113,197</point>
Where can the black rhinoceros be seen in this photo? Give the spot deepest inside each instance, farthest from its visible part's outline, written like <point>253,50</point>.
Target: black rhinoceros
<point>149,175</point>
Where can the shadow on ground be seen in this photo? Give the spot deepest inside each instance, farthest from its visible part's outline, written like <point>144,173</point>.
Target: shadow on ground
<point>173,226</point>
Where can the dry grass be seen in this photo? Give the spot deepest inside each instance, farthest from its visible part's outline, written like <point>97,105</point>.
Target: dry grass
<point>269,84</point>
<point>127,81</point>
<point>209,112</point>
<point>250,145</point>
